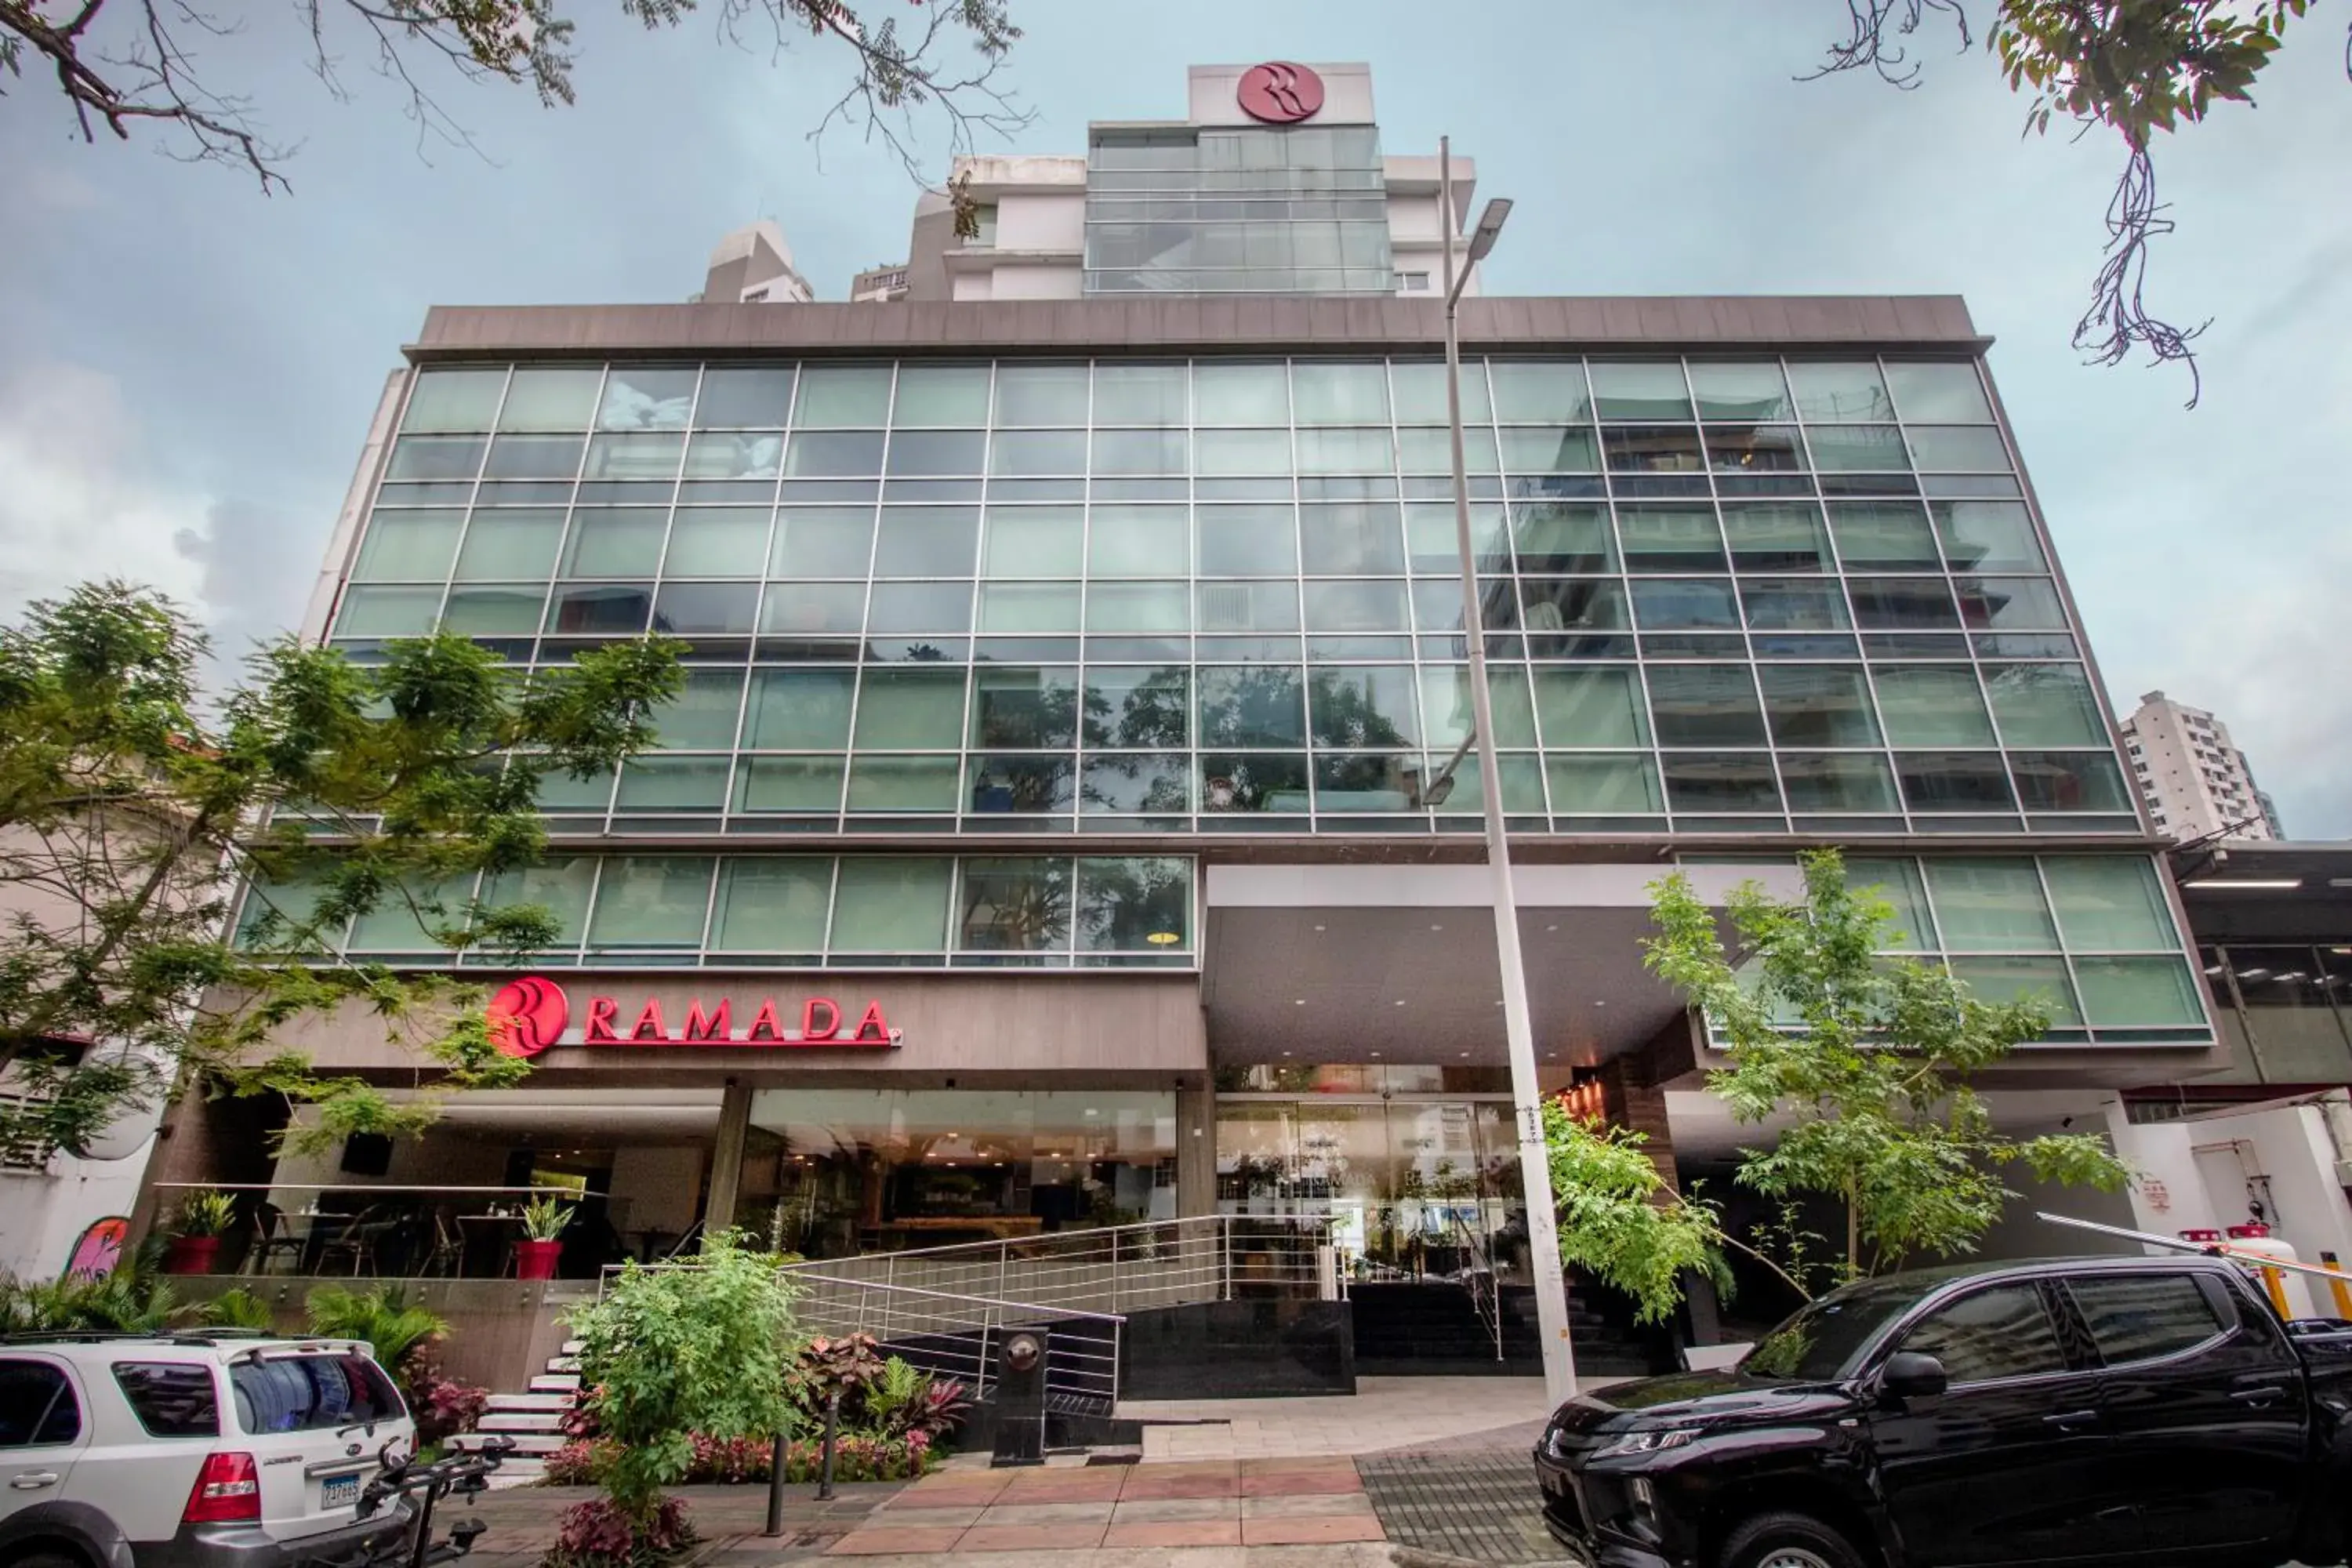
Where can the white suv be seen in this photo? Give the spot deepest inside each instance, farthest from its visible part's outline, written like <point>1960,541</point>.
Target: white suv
<point>193,1451</point>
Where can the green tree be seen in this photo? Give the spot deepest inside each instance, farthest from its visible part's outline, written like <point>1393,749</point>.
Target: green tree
<point>2137,69</point>
<point>125,66</point>
<point>131,810</point>
<point>1620,1221</point>
<point>1871,1052</point>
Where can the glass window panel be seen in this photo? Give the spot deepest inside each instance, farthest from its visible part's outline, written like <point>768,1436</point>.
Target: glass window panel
<point>938,394</point>
<point>444,399</point>
<point>1957,449</point>
<point>635,457</point>
<point>1596,706</point>
<point>387,612</point>
<point>651,900</point>
<point>1670,538</point>
<point>1033,452</point>
<point>2138,993</point>
<point>1540,392</point>
<point>731,455</point>
<point>919,454</point>
<point>1562,536</point>
<point>1138,541</point>
<point>1366,782</point>
<point>1136,707</point>
<point>1339,393</point>
<point>1014,904</point>
<point>1705,705</point>
<point>1120,452</point>
<point>1903,604</point>
<point>788,784</point>
<point>1342,451</point>
<point>511,543</point>
<point>1818,705</point>
<point>614,609</point>
<point>810,607</point>
<point>2011,603</point>
<point>435,457</point>
<point>1448,715</point>
<point>905,710</point>
<point>1249,606</point>
<point>1041,394</point>
<point>927,542</point>
<point>561,791</point>
<point>2069,780</point>
<point>2046,705</point>
<point>899,608</point>
<point>639,397</point>
<point>822,541</point>
<point>1884,536</point>
<point>1139,607</point>
<point>1370,606</point>
<point>1139,394</point>
<point>799,710</point>
<point>1988,535</point>
<point>1653,449</point>
<point>892,904</point>
<point>1437,601</point>
<point>1135,904</point>
<point>834,454</point>
<point>1024,709</point>
<point>1777,536</point>
<point>491,610</point>
<point>1800,605</point>
<point>533,457</point>
<point>1833,781</point>
<point>1241,452</point>
<point>1726,781</point>
<point>1420,389</point>
<point>1270,782</point>
<point>1741,389</point>
<point>409,546</point>
<point>1248,541</point>
<point>1949,781</point>
<point>1432,451</point>
<point>1363,706</point>
<point>772,903</point>
<point>560,884</point>
<point>1029,606</point>
<point>550,399</point>
<point>1433,539</point>
<point>1684,603</point>
<point>410,913</point>
<point>1991,906</point>
<point>621,541</point>
<point>1226,395</point>
<point>1858,448</point>
<point>1839,392</point>
<point>1899,882</point>
<point>1521,773</point>
<point>2042,981</point>
<point>1939,390</point>
<point>1755,449</point>
<point>717,542</point>
<point>701,717</point>
<point>839,397</point>
<point>2110,901</point>
<point>1006,783</point>
<point>1550,449</point>
<point>1625,389</point>
<point>1932,705</point>
<point>1363,539</point>
<point>672,784</point>
<point>903,784</point>
<point>1604,785</point>
<point>1570,604</point>
<point>1254,706</point>
<point>752,397</point>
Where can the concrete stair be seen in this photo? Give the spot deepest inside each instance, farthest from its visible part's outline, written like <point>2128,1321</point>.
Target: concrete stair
<point>532,1420</point>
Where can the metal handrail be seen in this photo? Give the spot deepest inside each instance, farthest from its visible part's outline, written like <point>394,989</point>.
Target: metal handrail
<point>959,1296</point>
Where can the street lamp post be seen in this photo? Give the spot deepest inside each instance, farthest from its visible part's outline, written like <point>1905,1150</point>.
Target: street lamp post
<point>1526,1095</point>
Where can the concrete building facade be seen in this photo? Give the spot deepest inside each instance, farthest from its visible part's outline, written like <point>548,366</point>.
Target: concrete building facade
<point>2195,779</point>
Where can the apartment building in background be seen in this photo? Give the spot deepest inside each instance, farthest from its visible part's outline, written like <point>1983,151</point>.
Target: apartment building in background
<point>879,285</point>
<point>753,266</point>
<point>2195,779</point>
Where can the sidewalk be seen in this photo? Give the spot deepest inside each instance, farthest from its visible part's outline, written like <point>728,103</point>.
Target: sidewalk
<point>1383,1413</point>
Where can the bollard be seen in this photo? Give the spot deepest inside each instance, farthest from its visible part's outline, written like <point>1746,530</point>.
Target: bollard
<point>825,1465</point>
<point>2339,1285</point>
<point>776,1484</point>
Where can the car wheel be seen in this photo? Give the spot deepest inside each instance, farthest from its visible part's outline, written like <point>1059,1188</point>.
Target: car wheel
<point>45,1559</point>
<point>1787,1541</point>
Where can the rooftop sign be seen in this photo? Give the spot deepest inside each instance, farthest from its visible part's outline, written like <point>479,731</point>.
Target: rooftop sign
<point>1280,92</point>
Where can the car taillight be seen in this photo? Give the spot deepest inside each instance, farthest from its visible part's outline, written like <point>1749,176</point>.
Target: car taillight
<point>227,1492</point>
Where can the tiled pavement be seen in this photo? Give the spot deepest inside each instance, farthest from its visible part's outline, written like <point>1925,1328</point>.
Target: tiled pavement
<point>1480,1506</point>
<point>1383,1413</point>
<point>730,1519</point>
<point>1310,1502</point>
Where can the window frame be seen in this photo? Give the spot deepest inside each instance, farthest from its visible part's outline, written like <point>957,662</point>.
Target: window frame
<point>2218,1302</point>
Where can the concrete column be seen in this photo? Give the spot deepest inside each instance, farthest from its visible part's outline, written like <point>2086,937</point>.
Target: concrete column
<point>727,1156</point>
<point>1196,1153</point>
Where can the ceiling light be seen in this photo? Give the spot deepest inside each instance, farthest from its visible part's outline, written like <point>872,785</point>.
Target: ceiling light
<point>1466,1056</point>
<point>1551,928</point>
<point>1318,928</point>
<point>1437,928</point>
<point>1286,1053</point>
<point>1598,1002</point>
<point>1376,1053</point>
<point>1399,1001</point>
<point>2248,884</point>
<point>1163,938</point>
<point>1299,1002</point>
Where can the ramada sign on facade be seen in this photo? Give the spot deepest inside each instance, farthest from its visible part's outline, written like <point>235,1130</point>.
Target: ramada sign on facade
<point>1280,92</point>
<point>528,1014</point>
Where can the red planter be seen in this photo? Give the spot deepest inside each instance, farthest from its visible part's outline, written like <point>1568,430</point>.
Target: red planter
<point>536,1259</point>
<point>191,1253</point>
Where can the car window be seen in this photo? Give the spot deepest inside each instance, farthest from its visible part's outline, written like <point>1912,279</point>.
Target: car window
<point>2002,1333</point>
<point>171,1398</point>
<point>302,1394</point>
<point>1825,1340</point>
<point>2138,1316</point>
<point>37,1405</point>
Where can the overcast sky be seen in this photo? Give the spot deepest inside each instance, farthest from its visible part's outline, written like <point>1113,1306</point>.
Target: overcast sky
<point>189,368</point>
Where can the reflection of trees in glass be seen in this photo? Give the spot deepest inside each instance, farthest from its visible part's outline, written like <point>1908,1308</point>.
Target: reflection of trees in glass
<point>1350,709</point>
<point>1026,709</point>
<point>1254,783</point>
<point>1165,788</point>
<point>1252,705</point>
<point>1022,784</point>
<point>1149,712</point>
<point>1019,905</point>
<point>1125,902</point>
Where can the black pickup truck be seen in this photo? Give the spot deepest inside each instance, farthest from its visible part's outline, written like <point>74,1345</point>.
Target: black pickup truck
<point>2082,1411</point>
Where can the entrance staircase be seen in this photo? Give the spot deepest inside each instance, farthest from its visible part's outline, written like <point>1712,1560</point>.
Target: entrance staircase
<point>533,1421</point>
<point>1438,1328</point>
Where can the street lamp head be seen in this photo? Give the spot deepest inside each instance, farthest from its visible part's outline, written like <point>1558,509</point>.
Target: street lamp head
<point>1439,788</point>
<point>1490,227</point>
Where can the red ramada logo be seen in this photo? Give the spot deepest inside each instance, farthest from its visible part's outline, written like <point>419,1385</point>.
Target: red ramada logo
<point>1280,92</point>
<point>527,1015</point>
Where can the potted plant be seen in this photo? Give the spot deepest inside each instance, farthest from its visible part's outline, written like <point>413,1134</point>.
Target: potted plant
<point>196,1229</point>
<point>543,1220</point>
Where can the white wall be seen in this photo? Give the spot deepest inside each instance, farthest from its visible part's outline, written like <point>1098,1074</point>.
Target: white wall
<point>43,1215</point>
<point>1050,223</point>
<point>1036,283</point>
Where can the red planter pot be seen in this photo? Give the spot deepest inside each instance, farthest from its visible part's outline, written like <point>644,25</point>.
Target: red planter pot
<point>536,1259</point>
<point>191,1253</point>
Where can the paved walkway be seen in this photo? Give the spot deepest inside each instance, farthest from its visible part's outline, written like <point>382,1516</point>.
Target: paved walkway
<point>1383,1413</point>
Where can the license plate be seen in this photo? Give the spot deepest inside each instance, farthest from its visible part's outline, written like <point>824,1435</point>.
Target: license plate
<point>339,1490</point>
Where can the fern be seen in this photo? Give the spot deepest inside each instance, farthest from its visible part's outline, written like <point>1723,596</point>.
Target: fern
<point>383,1317</point>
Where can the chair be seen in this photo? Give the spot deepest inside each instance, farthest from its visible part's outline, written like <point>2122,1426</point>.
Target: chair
<point>356,1241</point>
<point>272,1238</point>
<point>448,1249</point>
